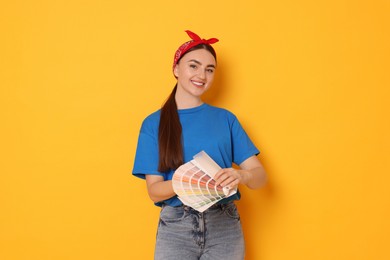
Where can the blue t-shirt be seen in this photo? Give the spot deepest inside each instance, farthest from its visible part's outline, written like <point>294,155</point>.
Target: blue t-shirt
<point>204,128</point>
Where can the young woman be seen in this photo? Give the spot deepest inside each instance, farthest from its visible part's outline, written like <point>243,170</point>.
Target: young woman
<point>169,137</point>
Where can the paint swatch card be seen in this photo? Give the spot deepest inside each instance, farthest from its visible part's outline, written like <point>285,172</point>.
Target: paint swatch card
<point>194,184</point>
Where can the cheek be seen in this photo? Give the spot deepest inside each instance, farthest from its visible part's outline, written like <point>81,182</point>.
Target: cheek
<point>185,73</point>
<point>209,84</point>
<point>210,79</point>
<point>181,71</point>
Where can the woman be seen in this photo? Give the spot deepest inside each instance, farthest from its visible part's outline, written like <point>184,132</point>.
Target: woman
<point>169,137</point>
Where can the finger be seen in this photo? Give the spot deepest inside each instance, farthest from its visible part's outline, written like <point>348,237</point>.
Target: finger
<point>222,172</point>
<point>223,175</point>
<point>219,173</point>
<point>228,181</point>
<point>233,179</point>
<point>221,178</point>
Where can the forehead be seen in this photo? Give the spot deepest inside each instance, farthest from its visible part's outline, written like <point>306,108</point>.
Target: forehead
<point>201,55</point>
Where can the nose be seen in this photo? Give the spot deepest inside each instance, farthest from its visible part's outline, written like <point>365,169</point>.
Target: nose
<point>202,74</point>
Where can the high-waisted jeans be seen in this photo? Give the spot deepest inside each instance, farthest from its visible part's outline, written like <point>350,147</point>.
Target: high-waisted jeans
<point>186,234</point>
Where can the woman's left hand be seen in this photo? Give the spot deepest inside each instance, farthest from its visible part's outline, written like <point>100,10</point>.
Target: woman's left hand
<point>251,174</point>
<point>228,177</point>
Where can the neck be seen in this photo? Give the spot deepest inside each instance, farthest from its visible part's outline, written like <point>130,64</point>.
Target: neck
<point>185,100</point>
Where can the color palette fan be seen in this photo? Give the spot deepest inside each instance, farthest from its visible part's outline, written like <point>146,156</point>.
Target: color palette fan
<point>194,184</point>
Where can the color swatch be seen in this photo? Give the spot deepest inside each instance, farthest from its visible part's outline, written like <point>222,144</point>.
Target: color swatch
<point>194,184</point>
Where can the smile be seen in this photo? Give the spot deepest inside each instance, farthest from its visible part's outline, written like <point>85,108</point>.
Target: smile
<point>200,84</point>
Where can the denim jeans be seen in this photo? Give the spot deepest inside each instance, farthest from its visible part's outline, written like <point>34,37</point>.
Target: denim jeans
<point>186,234</point>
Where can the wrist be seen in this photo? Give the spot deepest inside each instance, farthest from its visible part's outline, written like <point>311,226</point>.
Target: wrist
<point>245,176</point>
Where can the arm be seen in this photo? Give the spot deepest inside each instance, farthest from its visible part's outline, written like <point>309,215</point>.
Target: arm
<point>251,173</point>
<point>158,189</point>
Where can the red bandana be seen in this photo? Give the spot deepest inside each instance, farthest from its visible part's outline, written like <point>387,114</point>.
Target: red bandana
<point>196,40</point>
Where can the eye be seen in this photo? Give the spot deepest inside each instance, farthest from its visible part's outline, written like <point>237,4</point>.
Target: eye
<point>210,70</point>
<point>193,66</point>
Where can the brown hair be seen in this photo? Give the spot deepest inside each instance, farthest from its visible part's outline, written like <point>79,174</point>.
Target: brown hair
<point>170,131</point>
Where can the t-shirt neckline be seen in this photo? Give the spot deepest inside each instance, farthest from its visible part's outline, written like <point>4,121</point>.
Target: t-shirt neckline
<point>192,110</point>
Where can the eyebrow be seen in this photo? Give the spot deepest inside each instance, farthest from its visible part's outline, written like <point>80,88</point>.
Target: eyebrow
<point>198,62</point>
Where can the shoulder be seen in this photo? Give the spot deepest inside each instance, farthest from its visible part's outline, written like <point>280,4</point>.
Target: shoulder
<point>222,112</point>
<point>151,122</point>
<point>155,116</point>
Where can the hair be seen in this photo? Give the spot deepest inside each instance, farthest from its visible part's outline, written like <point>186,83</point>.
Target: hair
<point>170,131</point>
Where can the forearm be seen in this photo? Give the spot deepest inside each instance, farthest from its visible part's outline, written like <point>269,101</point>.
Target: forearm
<point>254,178</point>
<point>161,190</point>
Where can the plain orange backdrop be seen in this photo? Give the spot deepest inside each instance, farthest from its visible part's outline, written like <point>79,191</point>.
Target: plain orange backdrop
<point>309,81</point>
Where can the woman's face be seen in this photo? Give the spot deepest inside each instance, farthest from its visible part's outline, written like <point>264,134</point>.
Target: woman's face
<point>195,72</point>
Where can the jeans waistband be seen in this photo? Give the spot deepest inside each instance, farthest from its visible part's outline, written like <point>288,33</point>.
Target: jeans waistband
<point>221,206</point>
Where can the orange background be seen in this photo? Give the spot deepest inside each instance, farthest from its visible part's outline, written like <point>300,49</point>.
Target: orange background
<point>309,81</point>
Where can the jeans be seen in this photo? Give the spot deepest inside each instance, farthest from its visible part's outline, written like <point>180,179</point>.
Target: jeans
<point>186,234</point>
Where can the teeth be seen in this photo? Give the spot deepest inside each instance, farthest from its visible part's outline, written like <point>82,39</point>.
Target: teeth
<point>198,83</point>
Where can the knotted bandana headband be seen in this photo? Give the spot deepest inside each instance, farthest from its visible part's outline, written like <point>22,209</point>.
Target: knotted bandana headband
<point>196,40</point>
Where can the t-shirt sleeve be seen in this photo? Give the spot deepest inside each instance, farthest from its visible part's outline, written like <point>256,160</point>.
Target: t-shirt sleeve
<point>242,146</point>
<point>146,157</point>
